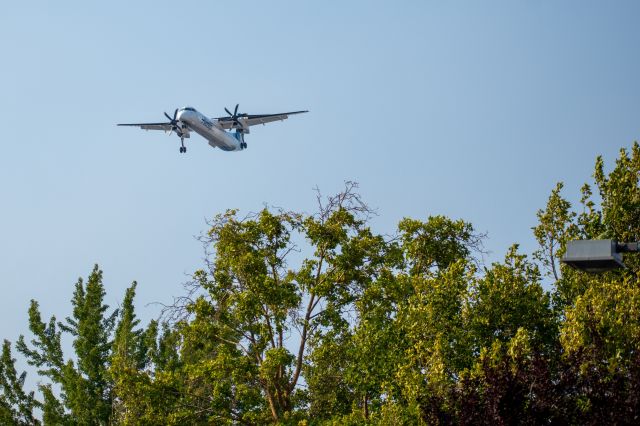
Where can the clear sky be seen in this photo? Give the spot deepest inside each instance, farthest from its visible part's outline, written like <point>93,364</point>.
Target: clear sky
<point>468,109</point>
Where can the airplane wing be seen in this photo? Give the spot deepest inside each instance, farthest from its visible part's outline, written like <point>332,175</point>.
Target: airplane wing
<point>150,126</point>
<point>253,119</point>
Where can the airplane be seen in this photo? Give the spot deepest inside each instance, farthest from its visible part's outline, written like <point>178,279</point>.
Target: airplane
<point>214,130</point>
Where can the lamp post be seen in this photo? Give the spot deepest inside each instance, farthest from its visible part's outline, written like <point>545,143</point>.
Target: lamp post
<point>595,256</point>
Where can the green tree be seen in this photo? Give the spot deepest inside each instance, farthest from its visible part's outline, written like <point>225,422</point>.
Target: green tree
<point>438,346</point>
<point>16,405</point>
<point>47,356</point>
<point>256,307</point>
<point>86,390</point>
<point>150,390</point>
<point>508,297</point>
<point>129,358</point>
<point>601,347</point>
<point>315,319</point>
<point>409,341</point>
<point>555,227</point>
<point>598,369</point>
<point>437,243</point>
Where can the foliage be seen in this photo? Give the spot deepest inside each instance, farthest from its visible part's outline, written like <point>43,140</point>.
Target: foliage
<point>305,319</point>
<point>16,405</point>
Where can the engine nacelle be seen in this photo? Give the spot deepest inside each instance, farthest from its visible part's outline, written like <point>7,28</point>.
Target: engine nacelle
<point>244,129</point>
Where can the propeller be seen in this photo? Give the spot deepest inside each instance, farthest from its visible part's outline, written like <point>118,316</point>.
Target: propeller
<point>235,115</point>
<point>174,122</point>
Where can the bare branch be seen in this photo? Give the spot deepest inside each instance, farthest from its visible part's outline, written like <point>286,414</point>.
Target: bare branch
<point>348,199</point>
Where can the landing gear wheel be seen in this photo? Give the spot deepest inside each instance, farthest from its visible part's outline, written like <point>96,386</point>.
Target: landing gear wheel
<point>183,149</point>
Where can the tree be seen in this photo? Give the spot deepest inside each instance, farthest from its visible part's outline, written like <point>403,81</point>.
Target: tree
<point>598,369</point>
<point>85,386</point>
<point>555,227</point>
<point>437,344</point>
<point>16,405</point>
<point>410,337</point>
<point>601,346</point>
<point>509,383</point>
<point>129,357</point>
<point>254,302</point>
<point>48,357</point>
<point>507,298</point>
<point>316,319</point>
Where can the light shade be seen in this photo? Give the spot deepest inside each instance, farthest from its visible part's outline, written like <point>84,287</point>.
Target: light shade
<point>593,255</point>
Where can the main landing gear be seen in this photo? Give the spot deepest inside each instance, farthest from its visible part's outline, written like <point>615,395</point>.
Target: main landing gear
<point>183,149</point>
<point>240,136</point>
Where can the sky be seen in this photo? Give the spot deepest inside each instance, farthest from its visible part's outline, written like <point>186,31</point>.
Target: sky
<point>473,110</point>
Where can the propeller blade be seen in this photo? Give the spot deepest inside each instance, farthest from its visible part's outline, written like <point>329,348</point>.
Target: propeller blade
<point>228,112</point>
<point>175,114</point>
<point>167,115</point>
<point>235,111</point>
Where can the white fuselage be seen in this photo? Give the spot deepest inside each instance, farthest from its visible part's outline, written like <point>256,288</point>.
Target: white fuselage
<point>209,129</point>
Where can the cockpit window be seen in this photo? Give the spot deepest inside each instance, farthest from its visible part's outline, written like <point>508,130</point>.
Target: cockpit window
<point>188,109</point>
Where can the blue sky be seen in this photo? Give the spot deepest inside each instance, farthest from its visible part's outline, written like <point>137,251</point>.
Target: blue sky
<point>469,109</point>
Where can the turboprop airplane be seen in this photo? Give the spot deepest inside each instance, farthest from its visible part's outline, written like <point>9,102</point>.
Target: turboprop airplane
<point>217,131</point>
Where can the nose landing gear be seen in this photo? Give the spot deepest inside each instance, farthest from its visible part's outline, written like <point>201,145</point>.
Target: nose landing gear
<point>183,149</point>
